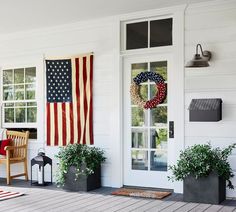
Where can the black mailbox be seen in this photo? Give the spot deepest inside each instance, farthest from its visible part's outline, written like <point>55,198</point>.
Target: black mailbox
<point>205,110</point>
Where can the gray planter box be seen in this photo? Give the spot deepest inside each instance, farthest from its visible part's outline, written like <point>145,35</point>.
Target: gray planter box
<point>211,189</point>
<point>84,183</point>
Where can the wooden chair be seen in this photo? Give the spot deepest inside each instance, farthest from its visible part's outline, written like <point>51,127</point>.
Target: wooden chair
<point>16,153</point>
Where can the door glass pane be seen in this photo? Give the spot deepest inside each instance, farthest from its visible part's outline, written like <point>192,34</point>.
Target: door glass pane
<point>9,115</point>
<point>7,93</point>
<point>137,68</point>
<point>30,75</point>
<point>139,116</point>
<point>20,114</point>
<point>143,92</point>
<point>31,114</point>
<point>153,92</point>
<point>19,75</point>
<point>137,35</point>
<point>161,32</point>
<point>158,138</point>
<point>158,116</point>
<point>139,159</point>
<point>19,92</point>
<point>159,160</point>
<point>159,68</point>
<point>7,77</point>
<point>139,138</point>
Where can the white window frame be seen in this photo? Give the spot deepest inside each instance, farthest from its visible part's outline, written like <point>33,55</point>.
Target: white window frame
<point>15,124</point>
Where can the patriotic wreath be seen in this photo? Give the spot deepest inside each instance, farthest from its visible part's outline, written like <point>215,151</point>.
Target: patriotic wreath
<point>135,90</point>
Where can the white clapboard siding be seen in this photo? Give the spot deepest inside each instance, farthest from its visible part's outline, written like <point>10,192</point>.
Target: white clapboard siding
<point>213,26</point>
<point>94,36</point>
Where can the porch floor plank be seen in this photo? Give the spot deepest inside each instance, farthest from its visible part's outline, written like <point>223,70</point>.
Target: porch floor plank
<point>53,199</point>
<point>200,207</point>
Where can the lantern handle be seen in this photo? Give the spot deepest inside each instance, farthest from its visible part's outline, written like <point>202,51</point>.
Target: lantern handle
<point>41,150</point>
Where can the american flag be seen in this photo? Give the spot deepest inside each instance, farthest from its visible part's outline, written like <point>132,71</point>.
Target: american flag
<point>69,100</point>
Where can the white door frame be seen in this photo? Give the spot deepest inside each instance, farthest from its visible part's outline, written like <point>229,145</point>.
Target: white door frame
<point>178,61</point>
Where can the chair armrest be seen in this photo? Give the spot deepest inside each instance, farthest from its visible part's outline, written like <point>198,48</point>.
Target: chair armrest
<point>10,148</point>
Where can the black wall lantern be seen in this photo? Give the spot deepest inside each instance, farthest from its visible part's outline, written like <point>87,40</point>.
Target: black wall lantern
<point>198,60</point>
<point>41,160</point>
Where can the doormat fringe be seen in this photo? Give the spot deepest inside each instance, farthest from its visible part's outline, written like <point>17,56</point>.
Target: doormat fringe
<point>141,193</point>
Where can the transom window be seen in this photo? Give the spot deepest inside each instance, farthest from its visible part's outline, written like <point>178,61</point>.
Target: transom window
<point>148,34</point>
<point>18,95</point>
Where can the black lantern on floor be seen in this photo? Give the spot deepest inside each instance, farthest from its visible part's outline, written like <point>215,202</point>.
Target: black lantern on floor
<point>41,160</point>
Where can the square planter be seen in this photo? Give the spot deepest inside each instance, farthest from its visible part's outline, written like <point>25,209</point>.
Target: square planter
<point>84,183</point>
<point>210,189</point>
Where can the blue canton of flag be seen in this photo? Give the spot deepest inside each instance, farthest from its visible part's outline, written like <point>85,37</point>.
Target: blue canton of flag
<point>59,85</point>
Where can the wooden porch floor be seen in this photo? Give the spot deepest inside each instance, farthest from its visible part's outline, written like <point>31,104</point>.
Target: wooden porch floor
<point>54,199</point>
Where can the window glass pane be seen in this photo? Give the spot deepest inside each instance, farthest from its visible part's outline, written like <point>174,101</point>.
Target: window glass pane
<point>30,91</point>
<point>19,92</point>
<point>158,117</point>
<point>137,68</point>
<point>139,116</point>
<point>19,75</point>
<point>20,115</point>
<point>158,139</point>
<point>159,68</point>
<point>31,104</point>
<point>31,114</point>
<point>7,93</point>
<point>30,75</point>
<point>7,77</point>
<point>9,115</point>
<point>139,159</point>
<point>161,32</point>
<point>139,138</point>
<point>158,160</point>
<point>20,104</point>
<point>137,35</point>
<point>9,105</point>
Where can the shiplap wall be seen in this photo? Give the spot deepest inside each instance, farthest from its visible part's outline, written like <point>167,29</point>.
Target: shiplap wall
<point>97,36</point>
<point>214,26</point>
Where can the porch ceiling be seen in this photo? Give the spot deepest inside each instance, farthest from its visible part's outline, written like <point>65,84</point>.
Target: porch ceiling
<point>30,14</point>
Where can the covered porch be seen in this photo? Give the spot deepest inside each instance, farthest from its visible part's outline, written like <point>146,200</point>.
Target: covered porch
<point>52,198</point>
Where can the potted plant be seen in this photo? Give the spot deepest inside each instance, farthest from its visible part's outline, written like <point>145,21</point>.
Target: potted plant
<point>79,167</point>
<point>204,171</point>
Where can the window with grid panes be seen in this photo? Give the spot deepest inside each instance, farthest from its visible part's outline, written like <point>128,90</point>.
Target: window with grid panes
<point>18,96</point>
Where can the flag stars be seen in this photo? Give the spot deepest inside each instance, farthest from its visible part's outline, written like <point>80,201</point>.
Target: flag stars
<point>59,80</point>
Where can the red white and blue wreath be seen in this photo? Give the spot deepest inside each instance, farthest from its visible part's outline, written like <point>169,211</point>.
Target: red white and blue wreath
<point>135,90</point>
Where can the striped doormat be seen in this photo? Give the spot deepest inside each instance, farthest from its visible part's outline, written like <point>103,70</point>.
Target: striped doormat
<point>141,193</point>
<point>9,194</point>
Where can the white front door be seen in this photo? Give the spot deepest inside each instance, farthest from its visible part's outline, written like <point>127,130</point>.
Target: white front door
<point>148,146</point>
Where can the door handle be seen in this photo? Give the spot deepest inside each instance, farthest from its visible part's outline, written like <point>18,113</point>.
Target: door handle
<point>171,129</point>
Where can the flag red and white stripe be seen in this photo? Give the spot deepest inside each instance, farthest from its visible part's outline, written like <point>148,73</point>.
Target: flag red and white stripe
<point>72,122</point>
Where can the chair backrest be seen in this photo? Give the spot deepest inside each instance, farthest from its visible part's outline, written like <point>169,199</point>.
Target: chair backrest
<point>18,139</point>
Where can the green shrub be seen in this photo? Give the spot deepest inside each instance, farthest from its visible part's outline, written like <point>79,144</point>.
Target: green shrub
<point>201,160</point>
<point>77,155</point>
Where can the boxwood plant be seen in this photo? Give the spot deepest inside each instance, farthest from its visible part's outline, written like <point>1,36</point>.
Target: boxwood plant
<point>200,160</point>
<point>77,155</point>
